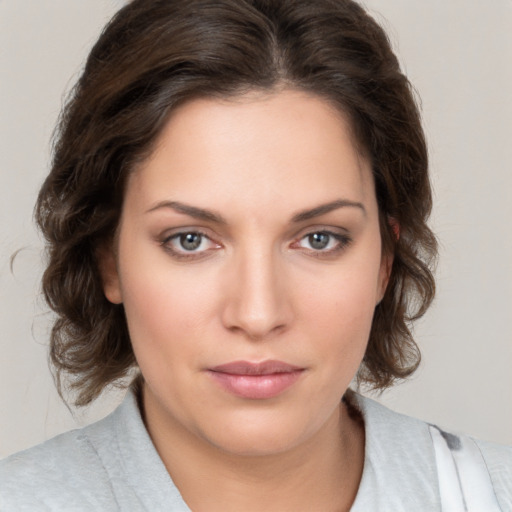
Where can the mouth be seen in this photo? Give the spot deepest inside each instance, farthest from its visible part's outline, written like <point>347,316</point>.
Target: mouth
<point>256,381</point>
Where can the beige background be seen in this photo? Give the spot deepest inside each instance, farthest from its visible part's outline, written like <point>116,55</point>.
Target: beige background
<point>457,52</point>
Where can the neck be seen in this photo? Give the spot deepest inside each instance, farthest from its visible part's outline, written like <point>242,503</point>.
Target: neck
<point>322,473</point>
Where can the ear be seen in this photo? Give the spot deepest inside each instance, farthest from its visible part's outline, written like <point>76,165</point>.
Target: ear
<point>386,265</point>
<point>395,226</point>
<point>387,258</point>
<point>107,265</point>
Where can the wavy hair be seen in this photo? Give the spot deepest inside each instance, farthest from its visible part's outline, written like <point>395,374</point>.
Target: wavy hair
<point>156,54</point>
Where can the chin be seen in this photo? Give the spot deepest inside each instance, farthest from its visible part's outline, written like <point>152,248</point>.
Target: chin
<point>265,433</point>
<point>264,443</point>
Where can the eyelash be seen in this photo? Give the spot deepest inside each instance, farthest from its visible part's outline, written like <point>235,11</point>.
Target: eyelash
<point>185,255</point>
<point>343,242</point>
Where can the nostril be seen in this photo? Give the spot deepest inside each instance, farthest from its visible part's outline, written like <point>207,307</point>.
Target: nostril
<point>255,330</point>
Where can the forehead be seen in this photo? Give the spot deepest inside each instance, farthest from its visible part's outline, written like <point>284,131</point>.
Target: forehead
<point>252,151</point>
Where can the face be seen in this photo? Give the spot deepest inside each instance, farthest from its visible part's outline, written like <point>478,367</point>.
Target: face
<point>249,265</point>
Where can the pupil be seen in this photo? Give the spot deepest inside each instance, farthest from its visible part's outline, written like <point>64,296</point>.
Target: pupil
<point>319,240</point>
<point>190,241</point>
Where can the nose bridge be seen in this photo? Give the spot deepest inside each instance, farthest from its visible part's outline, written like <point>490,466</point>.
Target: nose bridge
<point>258,303</point>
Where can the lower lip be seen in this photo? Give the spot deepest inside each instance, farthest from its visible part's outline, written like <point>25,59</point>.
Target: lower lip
<point>256,387</point>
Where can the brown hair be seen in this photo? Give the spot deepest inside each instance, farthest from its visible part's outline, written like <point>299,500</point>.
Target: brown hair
<point>156,54</point>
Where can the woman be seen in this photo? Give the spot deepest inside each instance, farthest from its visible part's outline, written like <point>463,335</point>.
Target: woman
<point>237,209</point>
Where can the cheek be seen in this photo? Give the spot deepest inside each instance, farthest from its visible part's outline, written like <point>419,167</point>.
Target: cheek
<point>167,327</point>
<point>342,298</point>
<point>337,312</point>
<point>165,305</point>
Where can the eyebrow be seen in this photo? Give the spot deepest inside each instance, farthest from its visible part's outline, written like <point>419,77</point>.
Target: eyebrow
<point>326,208</point>
<point>191,211</point>
<point>208,215</point>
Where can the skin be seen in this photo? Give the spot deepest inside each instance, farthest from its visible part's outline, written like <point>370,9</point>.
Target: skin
<point>255,289</point>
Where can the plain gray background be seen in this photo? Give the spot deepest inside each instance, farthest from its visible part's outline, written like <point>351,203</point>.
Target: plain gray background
<point>458,53</point>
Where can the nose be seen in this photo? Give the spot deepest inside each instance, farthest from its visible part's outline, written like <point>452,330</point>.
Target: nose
<point>257,304</point>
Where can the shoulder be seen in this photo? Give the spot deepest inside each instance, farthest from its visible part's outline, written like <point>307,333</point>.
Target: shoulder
<point>498,460</point>
<point>109,465</point>
<point>399,470</point>
<point>408,449</point>
<point>64,473</point>
<point>497,457</point>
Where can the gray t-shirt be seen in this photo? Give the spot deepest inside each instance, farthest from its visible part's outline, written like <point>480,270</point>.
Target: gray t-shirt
<point>112,465</point>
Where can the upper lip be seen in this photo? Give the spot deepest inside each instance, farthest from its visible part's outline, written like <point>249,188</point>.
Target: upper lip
<point>247,368</point>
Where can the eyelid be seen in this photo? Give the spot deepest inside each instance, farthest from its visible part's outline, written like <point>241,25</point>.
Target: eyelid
<point>336,231</point>
<point>341,235</point>
<point>165,239</point>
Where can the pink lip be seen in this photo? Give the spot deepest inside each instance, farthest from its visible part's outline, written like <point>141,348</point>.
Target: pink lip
<point>256,381</point>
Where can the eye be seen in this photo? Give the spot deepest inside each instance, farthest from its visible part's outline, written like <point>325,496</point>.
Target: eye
<point>190,241</point>
<point>319,241</point>
<point>188,244</point>
<point>324,242</point>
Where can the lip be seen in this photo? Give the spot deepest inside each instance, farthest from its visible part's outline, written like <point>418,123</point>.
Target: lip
<point>256,381</point>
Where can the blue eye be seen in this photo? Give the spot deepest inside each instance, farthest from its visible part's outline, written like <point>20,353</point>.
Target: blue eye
<point>190,241</point>
<point>188,244</point>
<point>319,241</point>
<point>324,242</point>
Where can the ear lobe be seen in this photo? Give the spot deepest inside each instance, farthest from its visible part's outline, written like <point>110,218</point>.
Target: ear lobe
<point>107,265</point>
